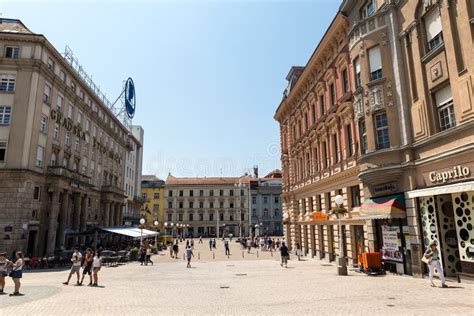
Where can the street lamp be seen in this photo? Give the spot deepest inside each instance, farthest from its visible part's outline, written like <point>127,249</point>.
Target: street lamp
<point>142,222</point>
<point>339,211</point>
<point>223,231</point>
<point>156,236</point>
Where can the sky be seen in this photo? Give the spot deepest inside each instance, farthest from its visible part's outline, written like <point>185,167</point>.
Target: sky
<point>209,75</point>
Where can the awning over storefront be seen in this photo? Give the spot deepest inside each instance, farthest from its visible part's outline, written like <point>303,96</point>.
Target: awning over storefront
<point>444,189</point>
<point>133,232</point>
<point>392,206</point>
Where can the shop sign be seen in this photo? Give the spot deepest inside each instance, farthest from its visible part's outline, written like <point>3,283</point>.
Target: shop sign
<point>319,216</point>
<point>447,175</point>
<point>385,188</point>
<point>68,124</point>
<point>391,244</point>
<point>8,229</point>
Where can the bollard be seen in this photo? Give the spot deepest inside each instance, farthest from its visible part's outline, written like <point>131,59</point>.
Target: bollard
<point>257,253</point>
<point>199,256</point>
<point>213,255</point>
<point>243,253</point>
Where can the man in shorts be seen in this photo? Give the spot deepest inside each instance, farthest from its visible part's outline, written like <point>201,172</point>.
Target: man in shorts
<point>76,266</point>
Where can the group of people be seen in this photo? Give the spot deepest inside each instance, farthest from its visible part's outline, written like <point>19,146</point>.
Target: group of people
<point>145,254</point>
<point>13,269</point>
<point>91,263</point>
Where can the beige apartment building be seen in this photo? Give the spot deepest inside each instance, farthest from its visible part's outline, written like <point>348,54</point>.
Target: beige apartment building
<point>320,151</point>
<point>62,150</point>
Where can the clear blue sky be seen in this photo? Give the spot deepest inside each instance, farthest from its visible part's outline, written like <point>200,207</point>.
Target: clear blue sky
<point>209,74</point>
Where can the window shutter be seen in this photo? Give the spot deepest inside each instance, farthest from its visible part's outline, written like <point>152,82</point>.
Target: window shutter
<point>443,96</point>
<point>375,59</point>
<point>433,24</point>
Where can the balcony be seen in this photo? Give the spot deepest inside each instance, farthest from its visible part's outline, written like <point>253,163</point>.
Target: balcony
<point>112,189</point>
<point>140,199</point>
<point>70,174</point>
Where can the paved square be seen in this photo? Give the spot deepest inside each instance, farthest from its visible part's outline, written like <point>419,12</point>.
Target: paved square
<point>235,286</point>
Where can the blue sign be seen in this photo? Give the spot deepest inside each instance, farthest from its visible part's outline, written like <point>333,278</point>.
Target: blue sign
<point>130,98</point>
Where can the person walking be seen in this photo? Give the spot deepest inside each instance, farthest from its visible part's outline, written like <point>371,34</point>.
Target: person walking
<point>142,254</point>
<point>249,245</point>
<point>148,255</point>
<point>96,265</point>
<point>87,267</point>
<point>189,255</point>
<point>176,250</point>
<point>200,239</point>
<point>4,263</point>
<point>432,254</point>
<point>214,243</point>
<point>17,272</point>
<point>298,251</point>
<point>171,251</point>
<point>226,247</point>
<point>284,254</point>
<point>192,243</point>
<point>210,244</point>
<point>76,260</point>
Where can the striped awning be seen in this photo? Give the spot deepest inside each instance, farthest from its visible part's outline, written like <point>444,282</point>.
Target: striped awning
<point>392,206</point>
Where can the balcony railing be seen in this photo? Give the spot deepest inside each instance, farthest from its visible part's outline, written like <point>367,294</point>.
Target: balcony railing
<point>67,173</point>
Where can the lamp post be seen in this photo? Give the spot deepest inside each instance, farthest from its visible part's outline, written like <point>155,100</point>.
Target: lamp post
<point>156,236</point>
<point>223,231</point>
<point>142,222</point>
<point>341,265</point>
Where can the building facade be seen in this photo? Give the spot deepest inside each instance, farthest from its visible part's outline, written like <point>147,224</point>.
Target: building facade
<point>133,172</point>
<point>320,150</point>
<point>62,150</point>
<point>153,194</point>
<point>410,66</point>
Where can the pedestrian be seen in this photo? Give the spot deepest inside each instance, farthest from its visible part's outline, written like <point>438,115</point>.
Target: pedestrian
<point>176,250</point>
<point>298,251</point>
<point>76,260</point>
<point>192,243</point>
<point>432,254</point>
<point>87,267</point>
<point>189,255</point>
<point>226,247</point>
<point>270,243</point>
<point>4,263</point>
<point>96,264</point>
<point>285,255</point>
<point>214,243</point>
<point>171,251</point>
<point>148,255</point>
<point>142,255</point>
<point>262,244</point>
<point>17,272</point>
<point>210,244</point>
<point>200,239</point>
<point>249,245</point>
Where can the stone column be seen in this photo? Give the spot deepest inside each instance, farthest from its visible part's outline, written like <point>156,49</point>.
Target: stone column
<point>107,213</point>
<point>53,224</point>
<point>118,215</point>
<point>77,212</point>
<point>121,215</point>
<point>60,240</point>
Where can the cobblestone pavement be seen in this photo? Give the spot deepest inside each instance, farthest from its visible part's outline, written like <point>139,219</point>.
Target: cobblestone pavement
<point>235,286</point>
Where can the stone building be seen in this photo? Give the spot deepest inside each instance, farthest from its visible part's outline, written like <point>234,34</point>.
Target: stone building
<point>153,194</point>
<point>320,149</point>
<point>62,150</point>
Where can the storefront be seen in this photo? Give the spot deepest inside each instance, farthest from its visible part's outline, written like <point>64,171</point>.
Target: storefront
<point>390,230</point>
<point>446,216</point>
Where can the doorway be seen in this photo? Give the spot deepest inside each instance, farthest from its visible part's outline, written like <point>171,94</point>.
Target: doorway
<point>30,250</point>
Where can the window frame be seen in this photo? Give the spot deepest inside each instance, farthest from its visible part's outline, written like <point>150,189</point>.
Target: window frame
<point>7,82</point>
<point>5,115</point>
<point>381,131</point>
<point>15,52</point>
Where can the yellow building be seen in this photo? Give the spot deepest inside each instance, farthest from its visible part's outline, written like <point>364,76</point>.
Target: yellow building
<point>153,193</point>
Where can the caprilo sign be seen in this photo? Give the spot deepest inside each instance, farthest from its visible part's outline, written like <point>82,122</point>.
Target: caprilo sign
<point>451,174</point>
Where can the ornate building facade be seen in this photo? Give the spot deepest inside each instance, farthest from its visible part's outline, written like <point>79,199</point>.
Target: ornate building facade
<point>62,150</point>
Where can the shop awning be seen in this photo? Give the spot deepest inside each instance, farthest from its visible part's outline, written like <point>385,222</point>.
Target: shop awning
<point>392,206</point>
<point>133,232</point>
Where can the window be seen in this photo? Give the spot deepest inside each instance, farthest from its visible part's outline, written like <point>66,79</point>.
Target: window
<point>350,149</point>
<point>357,79</point>
<point>231,218</point>
<point>355,196</point>
<point>59,103</point>
<point>221,192</point>
<point>211,192</point>
<point>381,131</point>
<point>62,75</point>
<point>5,115</point>
<point>81,95</point>
<point>180,192</point>
<point>180,217</point>
<point>325,157</point>
<point>306,123</point>
<point>70,111</point>
<point>231,205</point>
<point>156,207</point>
<point>265,199</point>
<point>345,81</point>
<point>47,94</point>
<point>37,193</point>
<point>254,200</point>
<point>12,52</point>
<point>170,193</point>
<point>191,192</point>
<point>336,148</point>
<point>332,92</point>
<point>211,204</point>
<point>144,196</point>
<point>363,136</point>
<point>277,200</point>
<point>241,192</point>
<point>327,197</point>
<point>156,195</point>
<point>265,212</point>
<point>181,204</point>
<point>3,151</point>
<point>50,63</point>
<point>201,204</point>
<point>170,204</point>
<point>79,118</point>
<point>39,156</point>
<point>277,212</point>
<point>221,216</point>
<point>170,217</point>
<point>434,30</point>
<point>313,111</point>
<point>368,9</point>
<point>77,144</point>
<point>191,217</point>
<point>254,212</point>
<point>445,107</point>
<point>7,83</point>
<point>43,124</point>
<point>221,204</point>
<point>321,104</point>
<point>231,192</point>
<point>67,138</point>
<point>375,63</point>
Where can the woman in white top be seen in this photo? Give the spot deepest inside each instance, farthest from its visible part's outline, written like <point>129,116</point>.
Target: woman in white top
<point>17,272</point>
<point>96,264</point>
<point>4,262</point>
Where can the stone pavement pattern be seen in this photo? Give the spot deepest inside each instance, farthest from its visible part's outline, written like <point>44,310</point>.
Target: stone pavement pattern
<point>235,287</point>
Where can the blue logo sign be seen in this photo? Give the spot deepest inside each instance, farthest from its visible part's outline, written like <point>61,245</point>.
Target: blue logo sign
<point>130,97</point>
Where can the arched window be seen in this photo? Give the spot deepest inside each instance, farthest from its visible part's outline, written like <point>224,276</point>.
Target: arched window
<point>53,159</point>
<point>265,212</point>
<point>277,212</point>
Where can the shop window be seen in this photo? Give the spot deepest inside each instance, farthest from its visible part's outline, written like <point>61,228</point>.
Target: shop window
<point>445,108</point>
<point>381,130</point>
<point>3,151</point>
<point>355,196</point>
<point>434,30</point>
<point>375,63</point>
